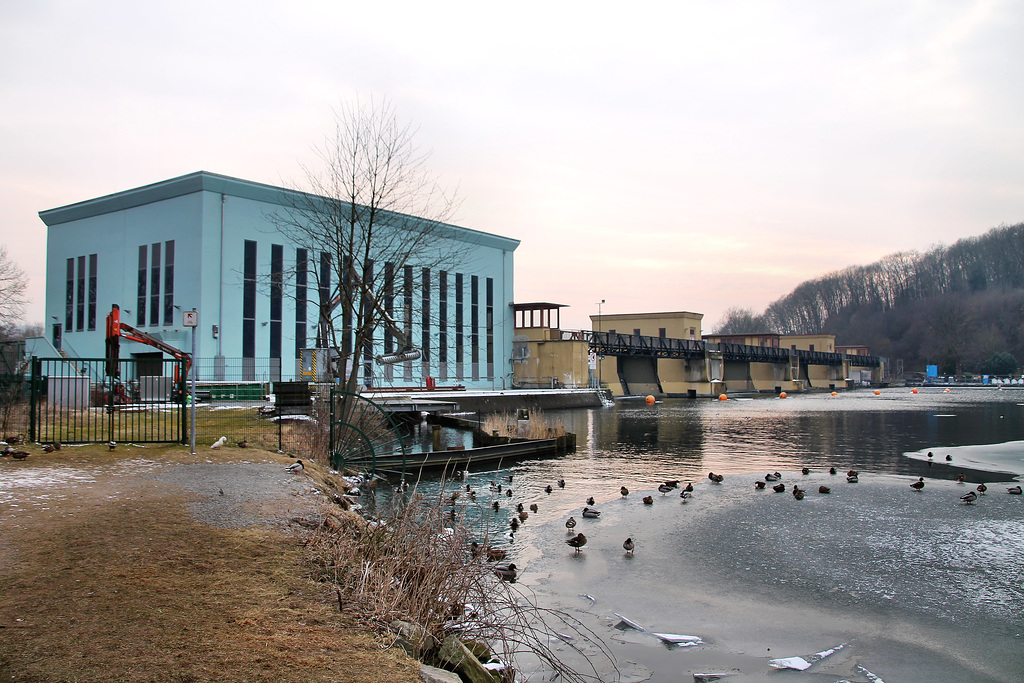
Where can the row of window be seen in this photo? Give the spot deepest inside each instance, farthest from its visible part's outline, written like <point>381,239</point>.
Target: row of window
<point>156,268</point>
<point>400,290</point>
<point>80,293</point>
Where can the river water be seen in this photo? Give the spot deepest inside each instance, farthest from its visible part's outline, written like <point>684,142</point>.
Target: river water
<point>914,585</point>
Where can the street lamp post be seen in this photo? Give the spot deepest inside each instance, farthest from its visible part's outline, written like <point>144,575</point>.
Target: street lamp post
<point>599,358</point>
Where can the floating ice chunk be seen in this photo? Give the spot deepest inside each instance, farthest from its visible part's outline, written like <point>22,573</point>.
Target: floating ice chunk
<point>798,663</point>
<point>587,596</point>
<point>629,622</point>
<point>677,639</point>
<point>870,676</point>
<point>701,678</point>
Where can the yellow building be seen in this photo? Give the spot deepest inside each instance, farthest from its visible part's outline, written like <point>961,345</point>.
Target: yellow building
<point>543,355</point>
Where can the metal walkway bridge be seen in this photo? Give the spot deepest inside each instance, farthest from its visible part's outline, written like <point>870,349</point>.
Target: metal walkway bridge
<point>636,345</point>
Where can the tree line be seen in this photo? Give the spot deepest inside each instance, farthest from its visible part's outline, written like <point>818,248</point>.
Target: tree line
<point>960,306</point>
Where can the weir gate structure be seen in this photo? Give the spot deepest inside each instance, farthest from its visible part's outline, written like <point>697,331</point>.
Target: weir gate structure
<point>687,367</point>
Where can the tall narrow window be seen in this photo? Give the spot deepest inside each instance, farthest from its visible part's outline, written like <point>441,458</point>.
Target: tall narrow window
<point>442,324</point>
<point>459,341</point>
<point>69,297</point>
<point>276,297</point>
<point>154,284</point>
<point>407,286</point>
<point>249,299</point>
<point>425,321</point>
<point>322,336</point>
<point>490,328</point>
<point>389,310</point>
<point>140,304</point>
<point>301,280</point>
<point>92,291</point>
<point>474,325</point>
<point>80,298</point>
<point>368,314</point>
<point>169,282</point>
<point>347,301</point>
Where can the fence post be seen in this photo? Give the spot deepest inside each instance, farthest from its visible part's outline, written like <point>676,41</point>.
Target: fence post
<point>33,382</point>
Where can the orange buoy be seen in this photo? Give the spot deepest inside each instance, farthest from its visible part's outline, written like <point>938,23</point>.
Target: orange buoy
<point>946,390</point>
<point>723,397</point>
<point>782,395</point>
<point>877,392</point>
<point>649,399</point>
<point>835,393</point>
<point>913,391</point>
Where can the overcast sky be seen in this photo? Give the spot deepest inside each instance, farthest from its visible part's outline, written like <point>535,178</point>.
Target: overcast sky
<point>669,156</point>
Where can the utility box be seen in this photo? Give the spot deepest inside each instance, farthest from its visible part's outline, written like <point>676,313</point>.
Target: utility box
<point>292,398</point>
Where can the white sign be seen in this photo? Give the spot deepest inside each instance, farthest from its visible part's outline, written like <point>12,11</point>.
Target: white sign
<point>191,319</point>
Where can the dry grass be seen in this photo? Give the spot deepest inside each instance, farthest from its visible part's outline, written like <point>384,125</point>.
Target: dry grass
<point>540,425</point>
<point>128,587</point>
<point>416,566</point>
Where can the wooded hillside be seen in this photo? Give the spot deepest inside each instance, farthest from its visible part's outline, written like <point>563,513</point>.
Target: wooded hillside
<point>960,306</point>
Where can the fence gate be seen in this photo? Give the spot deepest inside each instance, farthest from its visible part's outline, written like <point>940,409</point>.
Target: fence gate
<point>75,400</point>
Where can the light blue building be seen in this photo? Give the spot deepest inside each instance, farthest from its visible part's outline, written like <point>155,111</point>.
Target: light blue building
<point>212,243</point>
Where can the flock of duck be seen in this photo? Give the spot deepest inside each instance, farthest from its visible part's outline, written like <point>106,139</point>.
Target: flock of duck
<point>577,540</point>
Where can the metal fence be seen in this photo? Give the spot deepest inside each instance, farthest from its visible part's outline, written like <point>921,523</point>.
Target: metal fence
<point>79,400</point>
<point>74,400</point>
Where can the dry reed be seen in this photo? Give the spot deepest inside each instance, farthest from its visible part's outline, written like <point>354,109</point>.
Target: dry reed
<point>539,426</point>
<point>416,566</point>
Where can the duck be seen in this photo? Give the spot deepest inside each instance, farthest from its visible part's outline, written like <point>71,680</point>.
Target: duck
<point>689,487</point>
<point>918,485</point>
<point>472,496</point>
<point>243,444</point>
<point>759,485</point>
<point>831,470</point>
<point>949,458</point>
<point>798,494</point>
<point>771,477</point>
<point>674,483</point>
<point>590,500</point>
<point>1014,490</point>
<point>19,455</point>
<point>623,491</point>
<point>495,554</point>
<point>548,489</point>
<point>577,541</point>
<point>664,489</point>
<point>969,497</point>
<point>852,478</point>
<point>852,473</point>
<point>513,524</point>
<point>519,507</point>
<point>779,488</point>
<point>570,524</point>
<point>824,489</point>
<point>628,546</point>
<point>219,442</point>
<point>112,445</point>
<point>475,550</point>
<point>591,513</point>
<point>717,478</point>
<point>982,488</point>
<point>684,495</point>
<point>777,474</point>
<point>523,516</point>
<point>495,506</point>
<point>533,507</point>
<point>561,483</point>
<point>508,492</point>
<point>7,450</point>
<point>930,454</point>
<point>648,500</point>
<point>507,573</point>
<point>296,466</point>
<point>961,478</point>
<point>806,470</point>
<point>48,448</point>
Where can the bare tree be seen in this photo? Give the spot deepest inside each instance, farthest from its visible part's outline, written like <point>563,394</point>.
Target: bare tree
<point>372,218</point>
<point>12,293</point>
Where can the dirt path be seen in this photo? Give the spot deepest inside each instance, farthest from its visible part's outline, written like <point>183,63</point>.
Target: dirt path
<point>133,566</point>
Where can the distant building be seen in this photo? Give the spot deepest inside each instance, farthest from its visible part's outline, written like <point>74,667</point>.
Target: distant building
<point>543,355</point>
<point>208,241</point>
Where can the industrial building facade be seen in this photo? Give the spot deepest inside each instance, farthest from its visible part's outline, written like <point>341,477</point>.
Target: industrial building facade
<point>214,243</point>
